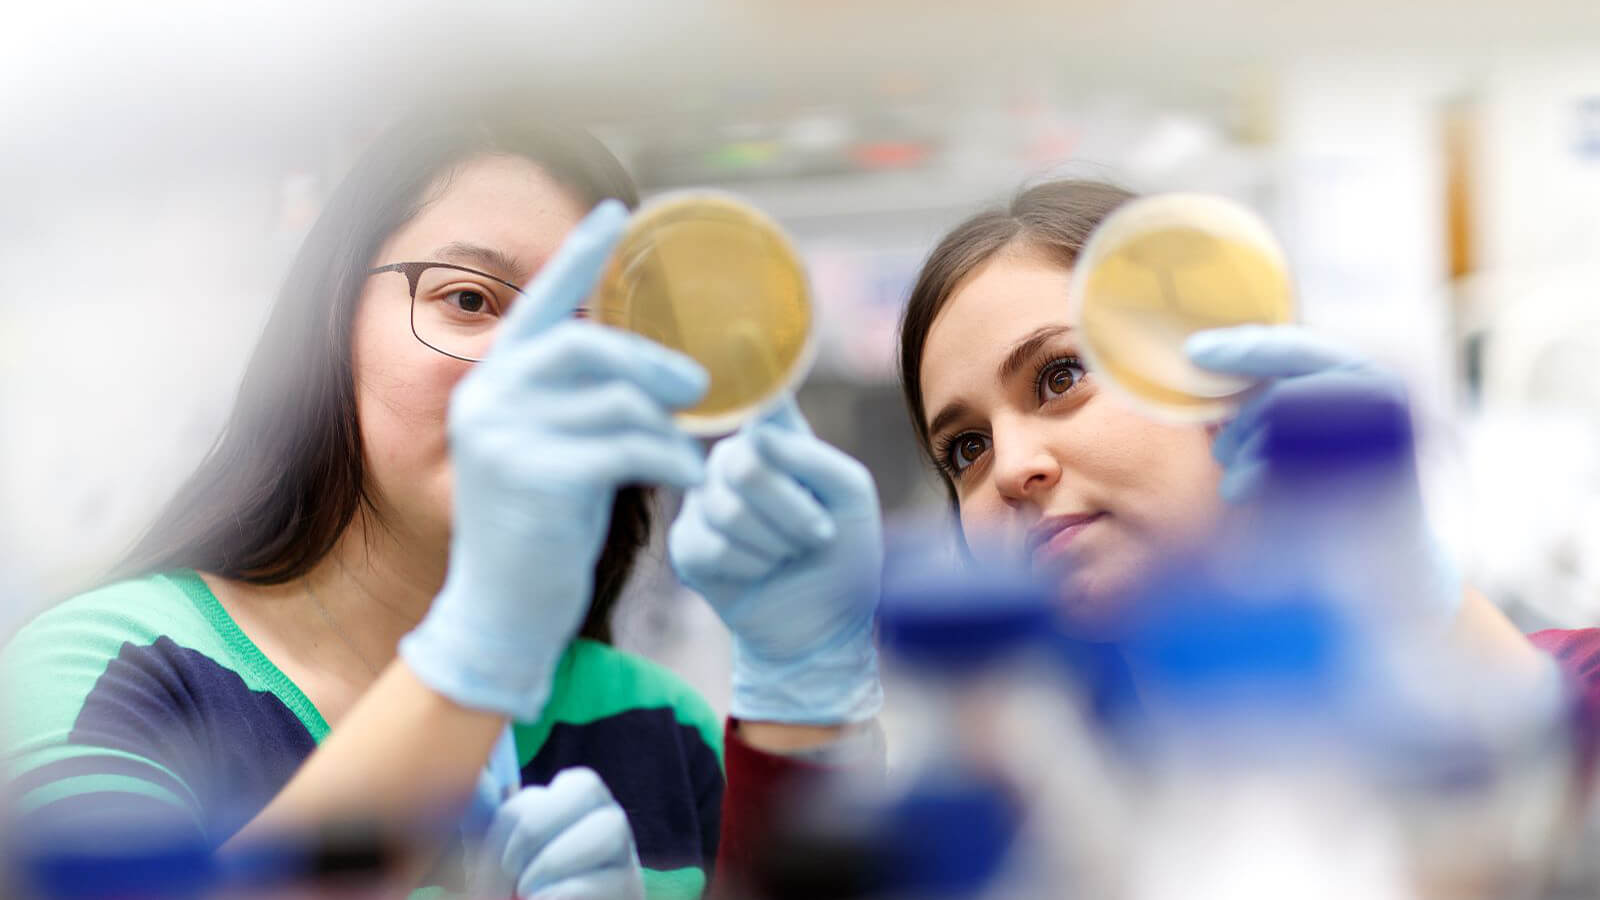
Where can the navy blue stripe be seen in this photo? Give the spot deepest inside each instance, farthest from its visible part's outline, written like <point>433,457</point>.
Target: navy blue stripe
<point>92,763</point>
<point>234,747</point>
<point>663,774</point>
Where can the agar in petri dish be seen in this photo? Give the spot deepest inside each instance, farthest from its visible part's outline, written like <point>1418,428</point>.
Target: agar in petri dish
<point>705,274</point>
<point>1161,268</point>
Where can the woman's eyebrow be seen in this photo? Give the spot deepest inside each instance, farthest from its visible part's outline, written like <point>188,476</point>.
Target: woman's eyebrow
<point>1028,347</point>
<point>489,259</point>
<point>951,413</point>
<point>1021,352</point>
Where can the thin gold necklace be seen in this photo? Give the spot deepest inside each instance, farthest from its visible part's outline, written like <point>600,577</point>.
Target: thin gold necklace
<point>326,617</point>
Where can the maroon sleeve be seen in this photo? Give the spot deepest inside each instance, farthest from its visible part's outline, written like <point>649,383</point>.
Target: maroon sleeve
<point>1578,653</point>
<point>757,783</point>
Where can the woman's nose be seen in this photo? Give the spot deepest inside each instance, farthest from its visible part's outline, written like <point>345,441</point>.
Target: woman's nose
<point>1024,467</point>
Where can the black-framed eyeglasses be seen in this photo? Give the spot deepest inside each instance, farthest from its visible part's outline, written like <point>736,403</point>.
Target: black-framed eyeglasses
<point>454,310</point>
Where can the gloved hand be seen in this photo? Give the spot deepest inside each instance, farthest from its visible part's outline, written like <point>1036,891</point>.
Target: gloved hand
<point>542,433</point>
<point>499,780</point>
<point>785,541</point>
<point>1389,548</point>
<point>1297,366</point>
<point>569,840</point>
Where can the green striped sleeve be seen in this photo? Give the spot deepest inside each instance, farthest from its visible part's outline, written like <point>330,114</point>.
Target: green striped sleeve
<point>105,699</point>
<point>594,681</point>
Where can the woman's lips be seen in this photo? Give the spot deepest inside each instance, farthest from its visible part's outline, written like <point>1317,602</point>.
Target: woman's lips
<point>1049,539</point>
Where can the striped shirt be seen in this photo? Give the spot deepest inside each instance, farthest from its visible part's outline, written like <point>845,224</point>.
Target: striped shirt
<point>144,702</point>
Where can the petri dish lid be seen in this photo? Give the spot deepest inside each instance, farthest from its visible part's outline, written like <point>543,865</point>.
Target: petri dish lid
<point>1161,268</point>
<point>706,274</point>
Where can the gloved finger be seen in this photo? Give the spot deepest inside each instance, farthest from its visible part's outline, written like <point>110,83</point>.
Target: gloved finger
<point>1245,423</point>
<point>635,456</point>
<point>567,279</point>
<point>610,406</point>
<point>577,352</point>
<point>487,795</point>
<point>1242,481</point>
<point>833,475</point>
<point>701,554</point>
<point>1310,389</point>
<point>529,821</point>
<point>1266,351</point>
<point>599,840</point>
<point>726,512</point>
<point>785,415</point>
<point>776,495</point>
<point>1242,439</point>
<point>498,781</point>
<point>615,883</point>
<point>1337,384</point>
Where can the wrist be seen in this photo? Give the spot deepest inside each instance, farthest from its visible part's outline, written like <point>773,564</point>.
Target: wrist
<point>458,652</point>
<point>838,685</point>
<point>857,746</point>
<point>786,738</point>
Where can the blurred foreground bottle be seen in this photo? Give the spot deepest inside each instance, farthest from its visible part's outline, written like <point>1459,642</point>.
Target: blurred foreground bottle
<point>1308,729</point>
<point>1284,718</point>
<point>990,710</point>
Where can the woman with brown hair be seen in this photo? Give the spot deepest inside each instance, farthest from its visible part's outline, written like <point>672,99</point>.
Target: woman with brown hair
<point>1047,469</point>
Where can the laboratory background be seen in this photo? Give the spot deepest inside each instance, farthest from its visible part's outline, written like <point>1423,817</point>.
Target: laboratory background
<point>1432,169</point>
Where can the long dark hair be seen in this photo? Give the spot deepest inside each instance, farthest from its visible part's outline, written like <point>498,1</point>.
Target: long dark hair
<point>285,478</point>
<point>1053,218</point>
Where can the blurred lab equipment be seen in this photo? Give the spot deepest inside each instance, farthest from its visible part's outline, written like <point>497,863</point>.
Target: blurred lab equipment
<point>1320,464</point>
<point>1533,445</point>
<point>1268,724</point>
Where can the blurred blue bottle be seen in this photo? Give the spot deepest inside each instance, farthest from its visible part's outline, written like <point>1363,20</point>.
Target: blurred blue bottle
<point>1307,729</point>
<point>953,814</point>
<point>1339,513</point>
<point>996,764</point>
<point>993,763</point>
<point>1247,780</point>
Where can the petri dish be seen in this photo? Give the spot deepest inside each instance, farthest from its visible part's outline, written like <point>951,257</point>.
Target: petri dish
<point>1161,268</point>
<point>710,276</point>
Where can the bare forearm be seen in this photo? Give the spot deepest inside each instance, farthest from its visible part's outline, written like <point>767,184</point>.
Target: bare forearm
<point>1483,630</point>
<point>779,737</point>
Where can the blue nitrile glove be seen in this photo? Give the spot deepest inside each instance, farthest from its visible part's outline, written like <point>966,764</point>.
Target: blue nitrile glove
<point>500,779</point>
<point>543,431</point>
<point>1392,536</point>
<point>785,541</point>
<point>569,840</point>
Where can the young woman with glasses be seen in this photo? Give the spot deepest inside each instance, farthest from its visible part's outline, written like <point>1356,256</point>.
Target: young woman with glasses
<point>409,536</point>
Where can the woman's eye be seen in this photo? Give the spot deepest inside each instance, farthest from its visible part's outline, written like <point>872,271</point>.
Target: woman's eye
<point>966,449</point>
<point>1058,377</point>
<point>468,300</point>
